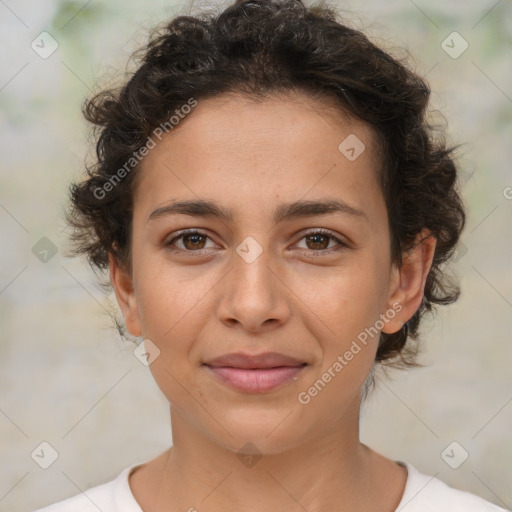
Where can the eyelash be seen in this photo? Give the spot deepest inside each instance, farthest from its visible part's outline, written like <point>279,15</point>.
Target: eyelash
<point>314,253</point>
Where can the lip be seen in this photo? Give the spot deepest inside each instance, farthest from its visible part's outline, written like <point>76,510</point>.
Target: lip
<point>255,373</point>
<point>255,380</point>
<point>255,361</point>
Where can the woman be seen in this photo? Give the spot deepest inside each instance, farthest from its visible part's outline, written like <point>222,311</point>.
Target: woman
<point>273,210</point>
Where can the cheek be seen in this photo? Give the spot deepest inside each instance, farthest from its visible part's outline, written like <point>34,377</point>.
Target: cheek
<point>344,299</point>
<point>172,307</point>
<point>169,295</point>
<point>174,303</point>
<point>348,306</point>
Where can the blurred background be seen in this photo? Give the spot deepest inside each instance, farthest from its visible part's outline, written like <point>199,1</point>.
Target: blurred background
<point>67,379</point>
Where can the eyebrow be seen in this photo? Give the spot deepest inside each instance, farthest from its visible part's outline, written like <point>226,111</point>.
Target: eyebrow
<point>284,212</point>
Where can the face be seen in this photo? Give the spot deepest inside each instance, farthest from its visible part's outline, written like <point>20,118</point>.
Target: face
<point>299,265</point>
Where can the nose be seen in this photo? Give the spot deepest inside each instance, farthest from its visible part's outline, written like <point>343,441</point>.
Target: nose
<point>254,296</point>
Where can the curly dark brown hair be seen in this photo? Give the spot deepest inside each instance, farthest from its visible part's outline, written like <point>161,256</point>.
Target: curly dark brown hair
<point>259,48</point>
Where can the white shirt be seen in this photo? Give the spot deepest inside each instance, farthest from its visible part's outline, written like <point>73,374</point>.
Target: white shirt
<point>422,493</point>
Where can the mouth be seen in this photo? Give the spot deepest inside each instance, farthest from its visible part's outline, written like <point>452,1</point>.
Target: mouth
<point>255,373</point>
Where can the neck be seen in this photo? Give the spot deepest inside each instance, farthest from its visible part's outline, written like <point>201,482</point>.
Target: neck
<point>330,471</point>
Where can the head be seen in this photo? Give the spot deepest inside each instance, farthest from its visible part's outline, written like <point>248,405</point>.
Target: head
<point>267,181</point>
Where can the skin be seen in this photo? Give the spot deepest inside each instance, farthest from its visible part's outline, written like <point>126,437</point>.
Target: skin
<point>298,298</point>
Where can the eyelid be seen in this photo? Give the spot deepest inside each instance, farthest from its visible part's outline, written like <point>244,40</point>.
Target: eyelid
<point>323,231</point>
<point>342,243</point>
<point>181,234</point>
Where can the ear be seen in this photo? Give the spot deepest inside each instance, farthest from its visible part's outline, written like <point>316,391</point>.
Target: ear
<point>125,294</point>
<point>407,283</point>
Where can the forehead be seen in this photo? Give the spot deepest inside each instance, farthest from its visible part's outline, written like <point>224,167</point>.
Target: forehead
<point>239,151</point>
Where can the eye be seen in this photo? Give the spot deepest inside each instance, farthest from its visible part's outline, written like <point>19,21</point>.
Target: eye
<point>192,240</point>
<point>318,241</point>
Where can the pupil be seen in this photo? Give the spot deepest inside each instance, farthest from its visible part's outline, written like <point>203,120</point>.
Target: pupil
<point>195,237</point>
<point>319,236</point>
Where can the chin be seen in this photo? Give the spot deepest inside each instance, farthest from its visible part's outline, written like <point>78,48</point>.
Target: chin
<point>265,431</point>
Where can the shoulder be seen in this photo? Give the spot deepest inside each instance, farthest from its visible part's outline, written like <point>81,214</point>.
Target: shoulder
<point>424,493</point>
<point>113,496</point>
<point>94,499</point>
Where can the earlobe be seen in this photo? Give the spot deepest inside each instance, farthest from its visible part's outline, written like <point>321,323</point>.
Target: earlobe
<point>410,278</point>
<point>125,295</point>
